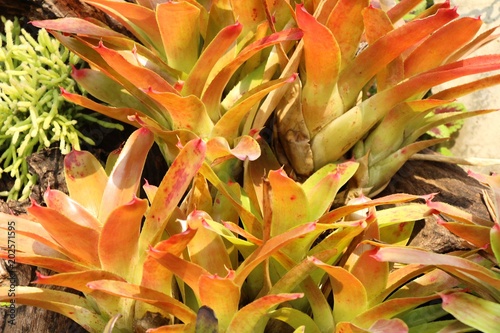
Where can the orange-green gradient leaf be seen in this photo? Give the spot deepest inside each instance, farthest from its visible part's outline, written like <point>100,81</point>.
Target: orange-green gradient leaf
<point>86,179</point>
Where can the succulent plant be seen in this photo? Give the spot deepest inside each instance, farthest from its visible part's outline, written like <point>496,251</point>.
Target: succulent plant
<point>33,113</point>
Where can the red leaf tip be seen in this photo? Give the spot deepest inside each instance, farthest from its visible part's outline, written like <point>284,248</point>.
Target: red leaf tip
<point>63,91</point>
<point>34,203</point>
<point>100,45</point>
<point>292,78</point>
<point>428,198</point>
<point>376,255</point>
<point>179,85</point>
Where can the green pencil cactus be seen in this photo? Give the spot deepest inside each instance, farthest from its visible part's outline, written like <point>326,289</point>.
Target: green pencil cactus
<point>33,114</point>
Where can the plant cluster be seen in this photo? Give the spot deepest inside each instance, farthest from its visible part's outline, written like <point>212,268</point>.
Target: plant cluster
<point>242,234</point>
<point>201,271</point>
<point>33,114</point>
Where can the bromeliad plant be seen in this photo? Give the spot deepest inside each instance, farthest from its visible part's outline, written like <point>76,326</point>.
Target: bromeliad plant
<point>235,252</point>
<point>199,270</point>
<point>363,74</point>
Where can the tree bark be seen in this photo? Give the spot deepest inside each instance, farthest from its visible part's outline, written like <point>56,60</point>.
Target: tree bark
<point>28,318</point>
<point>51,9</point>
<point>453,186</point>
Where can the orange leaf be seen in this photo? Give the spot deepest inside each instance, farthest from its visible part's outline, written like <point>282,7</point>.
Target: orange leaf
<point>59,201</point>
<point>346,24</point>
<point>163,302</point>
<point>171,190</point>
<point>140,77</point>
<point>155,276</point>
<point>180,40</point>
<point>124,180</point>
<point>436,49</point>
<point>195,83</point>
<point>121,228</point>
<point>349,293</point>
<point>79,241</point>
<point>139,20</point>
<point>86,179</point>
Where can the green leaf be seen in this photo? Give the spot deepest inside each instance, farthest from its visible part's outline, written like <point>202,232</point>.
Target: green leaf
<point>213,94</point>
<point>322,187</point>
<point>228,125</point>
<point>389,309</point>
<point>295,318</point>
<point>111,323</point>
<point>252,223</point>
<point>495,240</point>
<point>381,172</point>
<point>474,311</point>
<point>104,88</point>
<point>120,114</point>
<point>269,248</point>
<point>250,316</point>
<point>425,315</point>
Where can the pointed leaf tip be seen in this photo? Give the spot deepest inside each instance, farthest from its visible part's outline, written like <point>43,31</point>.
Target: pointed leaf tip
<point>39,277</point>
<point>292,78</point>
<point>375,255</point>
<point>301,7</point>
<point>100,45</point>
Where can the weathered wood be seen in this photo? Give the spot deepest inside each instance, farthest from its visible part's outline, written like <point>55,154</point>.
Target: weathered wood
<point>47,165</point>
<point>50,9</point>
<point>453,186</point>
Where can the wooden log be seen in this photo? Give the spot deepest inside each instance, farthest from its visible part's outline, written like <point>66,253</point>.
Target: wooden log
<point>453,186</point>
